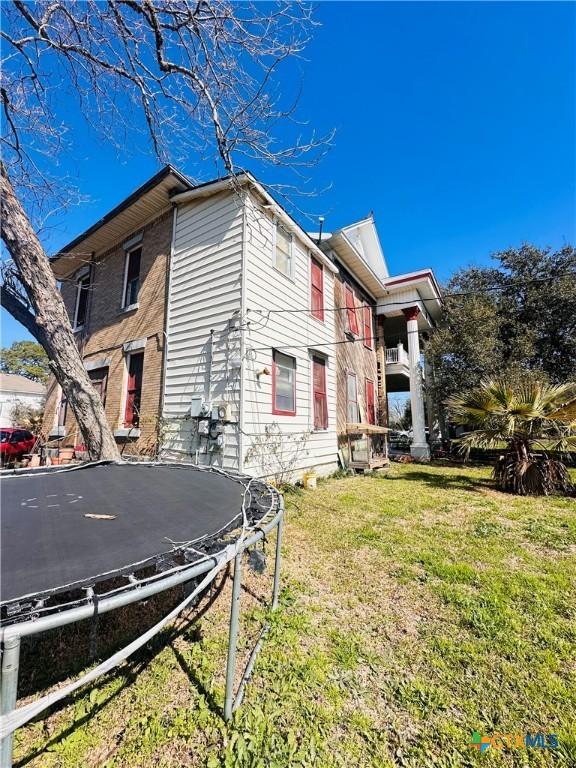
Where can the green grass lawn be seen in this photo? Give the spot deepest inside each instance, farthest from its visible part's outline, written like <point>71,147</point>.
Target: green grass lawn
<point>418,605</point>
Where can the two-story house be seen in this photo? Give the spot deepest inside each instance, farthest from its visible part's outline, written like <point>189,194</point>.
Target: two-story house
<point>217,330</point>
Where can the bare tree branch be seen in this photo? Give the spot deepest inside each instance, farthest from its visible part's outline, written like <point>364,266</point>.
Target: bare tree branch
<point>194,77</point>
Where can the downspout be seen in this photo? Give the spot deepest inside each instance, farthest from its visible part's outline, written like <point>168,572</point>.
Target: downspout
<point>241,416</point>
<point>166,316</point>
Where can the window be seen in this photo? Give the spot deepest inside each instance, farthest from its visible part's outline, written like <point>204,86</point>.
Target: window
<point>370,406</point>
<point>135,365</point>
<point>99,379</point>
<point>82,288</point>
<point>317,288</point>
<point>351,399</point>
<point>351,316</point>
<point>283,250</point>
<point>132,277</point>
<point>367,317</point>
<point>62,410</point>
<point>283,384</point>
<point>319,393</point>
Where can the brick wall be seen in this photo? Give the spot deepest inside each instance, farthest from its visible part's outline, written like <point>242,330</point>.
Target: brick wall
<point>353,356</point>
<point>108,327</point>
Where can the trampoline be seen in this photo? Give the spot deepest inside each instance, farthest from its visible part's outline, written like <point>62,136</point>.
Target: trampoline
<point>83,540</point>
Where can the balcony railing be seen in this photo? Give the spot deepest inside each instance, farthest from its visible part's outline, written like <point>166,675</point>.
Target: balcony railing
<point>397,354</point>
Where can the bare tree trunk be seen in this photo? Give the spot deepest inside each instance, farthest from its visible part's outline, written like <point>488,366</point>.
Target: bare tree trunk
<point>50,325</point>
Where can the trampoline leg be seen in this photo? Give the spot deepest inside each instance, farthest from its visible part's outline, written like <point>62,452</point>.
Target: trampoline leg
<point>276,587</point>
<point>10,663</point>
<point>233,637</point>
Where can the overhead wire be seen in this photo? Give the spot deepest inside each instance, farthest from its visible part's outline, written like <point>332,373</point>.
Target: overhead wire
<point>410,303</point>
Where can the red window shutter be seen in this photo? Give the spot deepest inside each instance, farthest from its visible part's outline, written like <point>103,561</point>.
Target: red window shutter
<point>317,288</point>
<point>367,315</point>
<point>351,315</point>
<point>319,387</point>
<point>370,407</point>
<point>134,390</point>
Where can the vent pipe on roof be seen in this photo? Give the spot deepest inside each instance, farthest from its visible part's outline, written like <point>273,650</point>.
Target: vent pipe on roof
<point>321,221</point>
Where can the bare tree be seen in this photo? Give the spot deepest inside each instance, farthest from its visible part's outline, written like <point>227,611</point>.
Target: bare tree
<point>192,75</point>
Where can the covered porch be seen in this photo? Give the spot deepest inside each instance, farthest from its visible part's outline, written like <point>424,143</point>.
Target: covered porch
<point>410,309</point>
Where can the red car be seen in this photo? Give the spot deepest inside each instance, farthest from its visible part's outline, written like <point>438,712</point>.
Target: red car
<point>14,443</point>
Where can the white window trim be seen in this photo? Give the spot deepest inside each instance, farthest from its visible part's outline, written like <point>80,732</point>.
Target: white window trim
<point>134,346</point>
<point>94,365</point>
<point>129,245</point>
<point>277,223</point>
<point>79,279</point>
<point>349,373</point>
<point>57,429</point>
<point>126,432</point>
<point>127,251</point>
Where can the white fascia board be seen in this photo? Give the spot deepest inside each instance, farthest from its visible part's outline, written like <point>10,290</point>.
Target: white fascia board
<point>420,275</point>
<point>424,284</point>
<point>369,281</point>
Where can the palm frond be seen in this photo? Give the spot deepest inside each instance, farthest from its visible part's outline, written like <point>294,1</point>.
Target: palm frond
<point>523,415</point>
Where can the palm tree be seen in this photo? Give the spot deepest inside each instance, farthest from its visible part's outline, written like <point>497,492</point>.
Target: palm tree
<point>525,415</point>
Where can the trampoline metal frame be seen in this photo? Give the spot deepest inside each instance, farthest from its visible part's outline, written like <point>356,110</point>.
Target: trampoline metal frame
<point>10,636</point>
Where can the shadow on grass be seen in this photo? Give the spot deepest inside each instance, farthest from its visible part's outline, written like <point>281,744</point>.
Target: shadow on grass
<point>62,658</point>
<point>449,482</point>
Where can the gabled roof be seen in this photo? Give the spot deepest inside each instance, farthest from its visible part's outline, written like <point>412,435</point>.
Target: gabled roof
<point>13,382</point>
<point>167,187</point>
<point>140,206</point>
<point>358,247</point>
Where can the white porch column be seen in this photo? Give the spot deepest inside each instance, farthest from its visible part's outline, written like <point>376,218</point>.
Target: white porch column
<point>419,448</point>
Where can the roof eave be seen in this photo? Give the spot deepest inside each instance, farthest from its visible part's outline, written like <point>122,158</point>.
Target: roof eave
<point>133,198</point>
<point>354,261</point>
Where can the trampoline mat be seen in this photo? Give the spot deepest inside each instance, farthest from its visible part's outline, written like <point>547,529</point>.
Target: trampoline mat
<point>48,542</point>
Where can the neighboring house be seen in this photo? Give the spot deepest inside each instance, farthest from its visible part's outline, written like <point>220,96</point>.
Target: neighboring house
<point>217,329</point>
<point>18,390</point>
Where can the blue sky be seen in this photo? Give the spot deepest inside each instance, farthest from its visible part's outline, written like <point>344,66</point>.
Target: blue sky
<point>456,127</point>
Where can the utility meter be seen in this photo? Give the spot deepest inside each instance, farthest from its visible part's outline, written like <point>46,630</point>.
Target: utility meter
<point>221,412</point>
<point>199,408</point>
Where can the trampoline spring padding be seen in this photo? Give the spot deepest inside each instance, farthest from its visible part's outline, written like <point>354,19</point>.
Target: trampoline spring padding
<point>165,564</point>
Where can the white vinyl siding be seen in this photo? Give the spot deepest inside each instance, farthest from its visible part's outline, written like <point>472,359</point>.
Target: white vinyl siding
<point>205,296</point>
<point>275,443</point>
<point>223,272</point>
